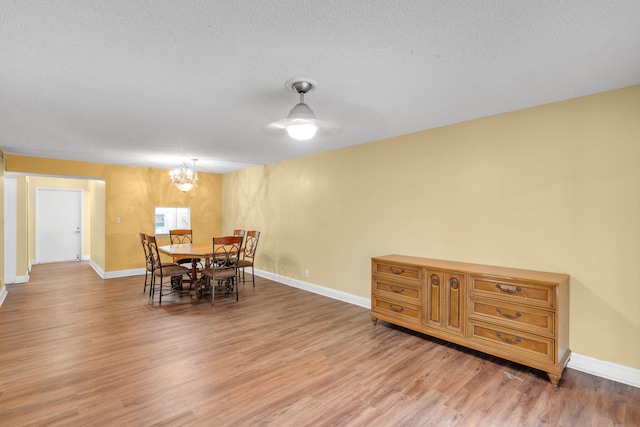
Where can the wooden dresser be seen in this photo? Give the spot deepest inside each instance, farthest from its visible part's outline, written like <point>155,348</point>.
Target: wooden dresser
<point>518,315</point>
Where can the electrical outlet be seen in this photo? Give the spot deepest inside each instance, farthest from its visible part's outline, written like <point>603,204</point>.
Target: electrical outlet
<point>306,273</point>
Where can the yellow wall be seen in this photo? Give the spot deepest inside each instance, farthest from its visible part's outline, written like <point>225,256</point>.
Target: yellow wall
<point>553,188</point>
<point>131,194</point>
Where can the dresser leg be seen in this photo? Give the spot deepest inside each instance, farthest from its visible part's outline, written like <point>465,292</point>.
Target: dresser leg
<point>374,320</point>
<point>555,379</point>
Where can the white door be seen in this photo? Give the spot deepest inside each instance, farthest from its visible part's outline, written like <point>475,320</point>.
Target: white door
<point>58,224</point>
<point>10,227</point>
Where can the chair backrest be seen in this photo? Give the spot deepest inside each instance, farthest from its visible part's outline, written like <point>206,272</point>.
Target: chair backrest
<point>225,251</point>
<point>240,233</point>
<point>154,253</point>
<point>145,248</point>
<point>181,236</point>
<point>251,244</point>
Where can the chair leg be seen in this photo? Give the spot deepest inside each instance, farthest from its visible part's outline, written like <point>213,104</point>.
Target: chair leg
<point>253,276</point>
<point>212,291</point>
<point>152,286</point>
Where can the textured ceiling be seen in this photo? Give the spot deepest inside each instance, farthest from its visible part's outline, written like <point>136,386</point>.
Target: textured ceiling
<point>152,83</point>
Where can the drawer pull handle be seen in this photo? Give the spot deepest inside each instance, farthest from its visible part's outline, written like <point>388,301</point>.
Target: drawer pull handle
<point>396,290</point>
<point>507,340</point>
<point>507,315</point>
<point>394,271</point>
<point>508,289</point>
<point>396,308</point>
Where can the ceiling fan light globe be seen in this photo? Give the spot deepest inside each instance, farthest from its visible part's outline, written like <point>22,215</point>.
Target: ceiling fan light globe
<point>302,131</point>
<point>301,111</point>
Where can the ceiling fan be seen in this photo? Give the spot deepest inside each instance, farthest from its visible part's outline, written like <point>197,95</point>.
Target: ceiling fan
<point>301,123</point>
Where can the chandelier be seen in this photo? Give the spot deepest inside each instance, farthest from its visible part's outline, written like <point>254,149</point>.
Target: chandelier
<point>185,177</point>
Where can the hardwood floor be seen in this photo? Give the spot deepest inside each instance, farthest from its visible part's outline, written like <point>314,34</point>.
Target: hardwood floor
<point>79,350</point>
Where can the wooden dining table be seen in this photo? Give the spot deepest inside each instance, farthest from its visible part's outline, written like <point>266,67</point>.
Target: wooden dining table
<point>193,251</point>
<point>190,250</point>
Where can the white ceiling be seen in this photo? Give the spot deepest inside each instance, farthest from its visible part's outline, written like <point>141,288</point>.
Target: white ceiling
<point>155,82</point>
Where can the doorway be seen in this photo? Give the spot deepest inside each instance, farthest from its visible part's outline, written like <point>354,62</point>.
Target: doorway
<point>58,225</point>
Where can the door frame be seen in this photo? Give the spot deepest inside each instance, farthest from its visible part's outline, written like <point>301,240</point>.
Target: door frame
<point>10,229</point>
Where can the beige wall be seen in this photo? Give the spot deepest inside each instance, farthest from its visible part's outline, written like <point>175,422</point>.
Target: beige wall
<point>131,194</point>
<point>553,188</point>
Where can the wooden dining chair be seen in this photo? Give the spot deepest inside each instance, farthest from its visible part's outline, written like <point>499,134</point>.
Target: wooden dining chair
<point>249,254</point>
<point>224,262</point>
<point>240,233</point>
<point>148,273</point>
<point>182,236</point>
<point>160,271</point>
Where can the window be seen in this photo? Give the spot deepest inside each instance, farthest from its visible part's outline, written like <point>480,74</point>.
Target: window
<point>170,218</point>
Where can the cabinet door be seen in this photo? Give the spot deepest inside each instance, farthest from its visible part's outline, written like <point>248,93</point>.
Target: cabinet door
<point>444,307</point>
<point>454,302</point>
<point>433,293</point>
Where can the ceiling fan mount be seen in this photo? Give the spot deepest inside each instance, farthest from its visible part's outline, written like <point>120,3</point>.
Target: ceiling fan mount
<point>301,85</point>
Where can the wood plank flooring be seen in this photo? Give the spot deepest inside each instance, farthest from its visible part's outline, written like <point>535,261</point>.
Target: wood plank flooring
<point>79,350</point>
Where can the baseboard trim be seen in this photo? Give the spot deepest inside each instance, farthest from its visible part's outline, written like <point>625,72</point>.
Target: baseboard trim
<point>22,279</point>
<point>611,371</point>
<point>321,290</point>
<point>600,368</point>
<point>3,294</point>
<point>115,274</point>
<point>124,273</point>
<point>96,268</point>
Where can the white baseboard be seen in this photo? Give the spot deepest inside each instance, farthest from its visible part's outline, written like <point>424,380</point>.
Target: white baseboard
<point>117,273</point>
<point>22,279</point>
<point>612,371</point>
<point>124,273</point>
<point>619,373</point>
<point>331,293</point>
<point>600,368</point>
<point>96,268</point>
<point>3,294</point>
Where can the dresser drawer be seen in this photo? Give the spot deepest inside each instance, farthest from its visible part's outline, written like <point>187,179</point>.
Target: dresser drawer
<point>402,271</point>
<point>399,310</point>
<point>389,289</point>
<point>523,318</point>
<point>521,292</point>
<point>522,344</point>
